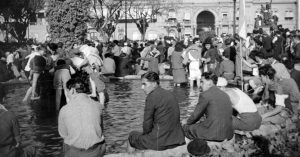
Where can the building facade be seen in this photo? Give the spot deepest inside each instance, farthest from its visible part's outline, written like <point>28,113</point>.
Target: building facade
<point>193,16</point>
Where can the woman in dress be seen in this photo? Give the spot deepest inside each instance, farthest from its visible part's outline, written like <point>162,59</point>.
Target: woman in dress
<point>179,73</point>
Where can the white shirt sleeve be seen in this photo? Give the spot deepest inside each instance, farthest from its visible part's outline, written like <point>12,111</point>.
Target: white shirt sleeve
<point>279,99</point>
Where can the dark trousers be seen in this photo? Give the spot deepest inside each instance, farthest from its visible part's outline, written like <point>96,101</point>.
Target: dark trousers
<point>97,150</point>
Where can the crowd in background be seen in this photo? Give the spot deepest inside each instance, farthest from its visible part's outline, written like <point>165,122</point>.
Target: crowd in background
<point>268,65</point>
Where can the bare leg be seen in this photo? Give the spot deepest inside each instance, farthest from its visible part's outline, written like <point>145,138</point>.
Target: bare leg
<point>93,86</point>
<point>34,84</point>
<point>23,74</point>
<point>198,83</point>
<point>29,90</point>
<point>129,148</point>
<point>191,83</point>
<point>58,93</point>
<point>15,71</point>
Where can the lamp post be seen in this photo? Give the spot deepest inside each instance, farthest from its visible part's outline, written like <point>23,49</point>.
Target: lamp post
<point>234,16</point>
<point>125,20</point>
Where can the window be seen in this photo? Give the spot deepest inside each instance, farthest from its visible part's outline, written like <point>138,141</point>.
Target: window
<point>225,15</point>
<point>172,14</point>
<point>289,15</point>
<point>187,17</point>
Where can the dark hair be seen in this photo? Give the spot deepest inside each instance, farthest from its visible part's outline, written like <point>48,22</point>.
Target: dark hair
<point>228,41</point>
<point>210,76</point>
<point>116,42</point>
<point>108,55</point>
<point>151,77</point>
<point>196,39</point>
<point>252,54</point>
<point>78,84</point>
<point>60,62</point>
<point>267,70</point>
<point>255,53</point>
<point>60,45</point>
<point>226,55</point>
<point>52,46</point>
<point>288,64</point>
<point>257,41</point>
<point>178,46</point>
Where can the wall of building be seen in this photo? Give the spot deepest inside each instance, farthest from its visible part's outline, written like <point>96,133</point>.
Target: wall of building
<point>221,9</point>
<point>223,12</point>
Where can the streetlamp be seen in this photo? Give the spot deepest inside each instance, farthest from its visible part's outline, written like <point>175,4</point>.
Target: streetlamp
<point>234,16</point>
<point>125,20</point>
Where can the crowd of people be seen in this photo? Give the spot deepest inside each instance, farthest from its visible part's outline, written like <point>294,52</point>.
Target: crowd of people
<point>267,64</point>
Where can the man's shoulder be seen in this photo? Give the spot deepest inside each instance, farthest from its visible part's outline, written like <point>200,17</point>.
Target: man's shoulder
<point>161,92</point>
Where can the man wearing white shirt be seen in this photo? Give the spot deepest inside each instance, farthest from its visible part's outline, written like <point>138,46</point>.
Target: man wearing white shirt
<point>248,118</point>
<point>79,123</point>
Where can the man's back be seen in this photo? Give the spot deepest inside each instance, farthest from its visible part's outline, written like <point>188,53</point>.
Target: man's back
<point>267,42</point>
<point>218,123</point>
<point>161,126</point>
<point>109,66</point>
<point>79,122</point>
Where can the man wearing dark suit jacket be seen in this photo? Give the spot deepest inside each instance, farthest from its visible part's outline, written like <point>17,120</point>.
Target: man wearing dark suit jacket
<point>216,105</point>
<point>161,127</point>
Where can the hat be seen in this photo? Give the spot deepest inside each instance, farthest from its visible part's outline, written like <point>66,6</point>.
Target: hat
<point>198,147</point>
<point>222,82</point>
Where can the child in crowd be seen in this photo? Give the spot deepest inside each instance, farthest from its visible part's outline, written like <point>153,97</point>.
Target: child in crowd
<point>97,84</point>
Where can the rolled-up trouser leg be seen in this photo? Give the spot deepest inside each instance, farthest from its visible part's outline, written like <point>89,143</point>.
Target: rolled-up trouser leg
<point>246,121</point>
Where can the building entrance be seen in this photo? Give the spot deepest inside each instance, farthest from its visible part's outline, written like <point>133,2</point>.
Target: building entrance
<point>205,21</point>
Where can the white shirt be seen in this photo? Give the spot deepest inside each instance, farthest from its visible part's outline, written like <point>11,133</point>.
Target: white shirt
<point>126,50</point>
<point>32,55</point>
<point>241,101</point>
<point>9,59</point>
<point>279,99</point>
<point>79,122</point>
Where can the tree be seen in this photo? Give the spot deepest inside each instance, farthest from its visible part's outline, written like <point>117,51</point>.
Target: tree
<point>68,20</point>
<point>106,14</point>
<point>17,15</point>
<point>143,12</point>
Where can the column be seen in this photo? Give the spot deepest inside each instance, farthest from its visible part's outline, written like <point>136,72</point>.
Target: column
<point>298,14</point>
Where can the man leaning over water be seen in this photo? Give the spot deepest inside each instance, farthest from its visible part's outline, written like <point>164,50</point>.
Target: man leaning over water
<point>161,126</point>
<point>79,123</point>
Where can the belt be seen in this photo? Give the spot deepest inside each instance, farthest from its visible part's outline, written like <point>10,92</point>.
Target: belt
<point>90,148</point>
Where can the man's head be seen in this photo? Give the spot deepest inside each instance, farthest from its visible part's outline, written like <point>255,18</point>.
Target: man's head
<point>150,81</point>
<point>267,73</point>
<point>296,38</point>
<point>197,41</point>
<point>60,62</point>
<point>41,50</point>
<point>208,80</point>
<point>74,86</point>
<point>7,53</point>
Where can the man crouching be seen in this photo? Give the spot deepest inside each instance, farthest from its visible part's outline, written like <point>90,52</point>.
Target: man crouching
<point>161,126</point>
<point>79,123</point>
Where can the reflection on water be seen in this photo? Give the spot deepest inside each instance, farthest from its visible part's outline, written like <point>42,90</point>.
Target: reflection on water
<point>123,114</point>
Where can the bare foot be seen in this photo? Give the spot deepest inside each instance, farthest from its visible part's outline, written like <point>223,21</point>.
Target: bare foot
<point>35,98</point>
<point>129,148</point>
<point>92,95</point>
